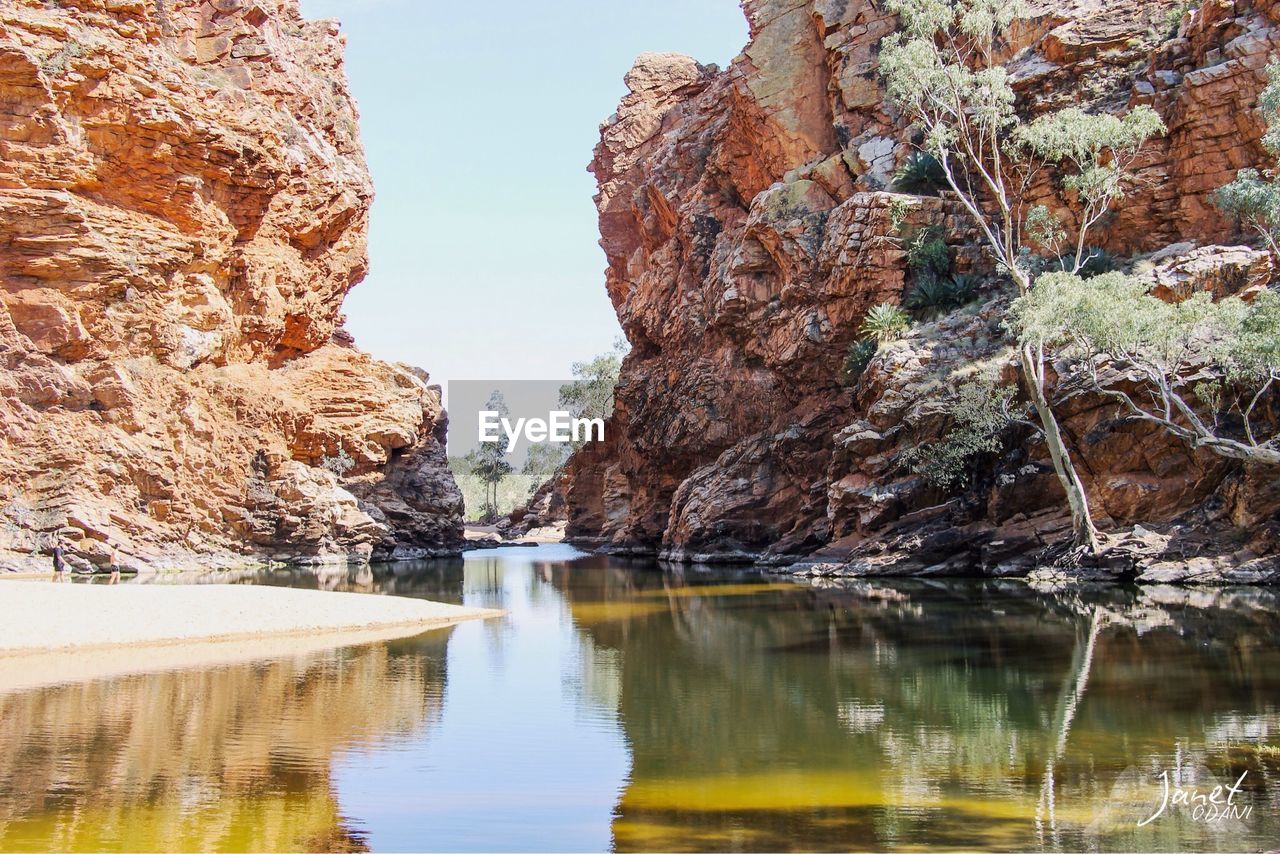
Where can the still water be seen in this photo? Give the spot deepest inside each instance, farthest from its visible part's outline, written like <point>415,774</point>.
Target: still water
<point>620,707</point>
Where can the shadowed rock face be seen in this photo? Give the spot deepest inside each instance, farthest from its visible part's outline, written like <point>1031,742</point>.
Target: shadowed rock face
<point>183,207</point>
<point>747,232</point>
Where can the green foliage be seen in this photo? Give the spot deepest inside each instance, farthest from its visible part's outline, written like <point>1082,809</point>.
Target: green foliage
<point>482,502</point>
<point>921,174</point>
<point>979,415</point>
<point>927,252</point>
<point>1173,18</point>
<point>1043,228</point>
<point>1096,262</point>
<point>1089,141</point>
<point>1253,198</point>
<point>884,322</point>
<point>943,71</point>
<point>590,395</point>
<point>963,288</point>
<point>1093,150</point>
<point>1168,348</point>
<point>857,359</point>
<point>544,460</point>
<point>63,58</point>
<point>899,209</point>
<point>934,297</point>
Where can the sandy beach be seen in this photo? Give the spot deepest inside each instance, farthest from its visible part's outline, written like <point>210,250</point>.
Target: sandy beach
<point>41,617</point>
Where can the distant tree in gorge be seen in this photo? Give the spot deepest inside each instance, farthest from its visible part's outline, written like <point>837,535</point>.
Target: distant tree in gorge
<point>489,461</point>
<point>590,395</point>
<point>543,462</point>
<point>943,71</point>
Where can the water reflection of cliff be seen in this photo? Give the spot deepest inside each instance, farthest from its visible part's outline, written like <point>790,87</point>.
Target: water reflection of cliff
<point>968,715</point>
<point>234,758</point>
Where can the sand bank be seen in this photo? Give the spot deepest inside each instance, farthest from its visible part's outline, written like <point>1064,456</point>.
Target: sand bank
<point>40,617</point>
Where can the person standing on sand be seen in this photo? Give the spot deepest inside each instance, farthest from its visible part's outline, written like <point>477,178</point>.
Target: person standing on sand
<point>59,564</point>
<point>115,563</point>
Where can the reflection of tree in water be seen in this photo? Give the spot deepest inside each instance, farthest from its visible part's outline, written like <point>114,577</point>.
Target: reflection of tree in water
<point>887,713</point>
<point>235,757</point>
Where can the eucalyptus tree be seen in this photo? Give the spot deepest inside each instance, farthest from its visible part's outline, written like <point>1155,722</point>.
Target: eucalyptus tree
<point>1202,369</point>
<point>943,70</point>
<point>488,461</point>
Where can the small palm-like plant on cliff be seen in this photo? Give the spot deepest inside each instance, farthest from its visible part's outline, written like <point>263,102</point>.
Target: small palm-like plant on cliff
<point>920,175</point>
<point>884,322</point>
<point>856,360</point>
<point>933,297</point>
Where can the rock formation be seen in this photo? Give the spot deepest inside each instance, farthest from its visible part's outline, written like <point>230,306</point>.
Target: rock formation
<point>184,206</point>
<point>745,219</point>
<point>545,514</point>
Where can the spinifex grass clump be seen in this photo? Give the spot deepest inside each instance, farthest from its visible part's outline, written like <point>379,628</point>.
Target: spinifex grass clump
<point>883,323</point>
<point>934,297</point>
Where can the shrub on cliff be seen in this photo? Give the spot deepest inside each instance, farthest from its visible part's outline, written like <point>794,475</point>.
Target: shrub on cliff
<point>927,253</point>
<point>979,413</point>
<point>883,323</point>
<point>1206,371</point>
<point>943,70</point>
<point>339,463</point>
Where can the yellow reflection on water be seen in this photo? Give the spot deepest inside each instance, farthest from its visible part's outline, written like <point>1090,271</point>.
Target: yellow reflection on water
<point>587,613</point>
<point>234,758</point>
<point>714,590</point>
<point>786,790</point>
<point>290,821</point>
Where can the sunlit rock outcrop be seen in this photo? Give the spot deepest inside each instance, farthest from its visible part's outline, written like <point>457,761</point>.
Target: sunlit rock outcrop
<point>746,222</point>
<point>183,207</point>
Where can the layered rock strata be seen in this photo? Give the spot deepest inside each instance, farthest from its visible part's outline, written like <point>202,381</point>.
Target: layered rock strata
<point>183,207</point>
<point>745,219</point>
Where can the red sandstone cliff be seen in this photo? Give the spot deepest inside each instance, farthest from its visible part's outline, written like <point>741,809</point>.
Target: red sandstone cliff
<point>743,216</point>
<point>183,206</point>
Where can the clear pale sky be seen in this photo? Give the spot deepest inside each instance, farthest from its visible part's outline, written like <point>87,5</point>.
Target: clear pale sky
<point>478,120</point>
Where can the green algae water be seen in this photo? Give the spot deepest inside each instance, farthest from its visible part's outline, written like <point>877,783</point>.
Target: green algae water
<point>618,706</point>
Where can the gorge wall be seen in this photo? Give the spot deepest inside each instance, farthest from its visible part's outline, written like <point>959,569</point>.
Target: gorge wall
<point>745,219</point>
<point>183,207</point>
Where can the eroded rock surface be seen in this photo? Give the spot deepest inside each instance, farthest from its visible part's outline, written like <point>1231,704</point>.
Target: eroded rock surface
<point>744,216</point>
<point>183,207</point>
